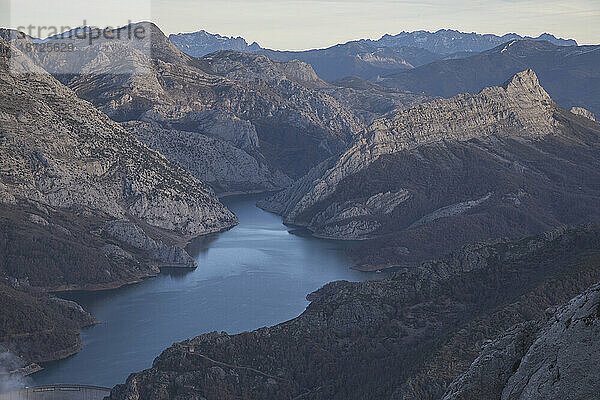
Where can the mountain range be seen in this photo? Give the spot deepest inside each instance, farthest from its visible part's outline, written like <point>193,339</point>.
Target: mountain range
<point>568,73</point>
<point>365,58</point>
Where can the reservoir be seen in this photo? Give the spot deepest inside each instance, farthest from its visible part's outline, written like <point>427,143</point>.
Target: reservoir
<point>254,275</point>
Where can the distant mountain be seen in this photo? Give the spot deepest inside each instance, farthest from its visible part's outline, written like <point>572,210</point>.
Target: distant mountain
<point>366,59</point>
<point>447,41</point>
<point>570,74</point>
<point>201,43</point>
<point>505,162</point>
<point>362,59</point>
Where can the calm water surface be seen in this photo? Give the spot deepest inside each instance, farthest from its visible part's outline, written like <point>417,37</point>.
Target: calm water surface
<point>254,275</point>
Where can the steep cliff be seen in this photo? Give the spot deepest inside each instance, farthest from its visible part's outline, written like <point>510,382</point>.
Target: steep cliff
<point>554,357</point>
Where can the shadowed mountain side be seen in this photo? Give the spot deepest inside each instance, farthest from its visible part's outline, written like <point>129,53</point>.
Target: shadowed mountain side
<point>404,337</point>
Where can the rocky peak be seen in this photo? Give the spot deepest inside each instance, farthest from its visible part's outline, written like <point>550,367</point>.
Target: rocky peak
<point>583,112</point>
<point>526,82</point>
<point>201,43</point>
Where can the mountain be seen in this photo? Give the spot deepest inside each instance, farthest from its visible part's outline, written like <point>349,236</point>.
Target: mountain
<point>570,74</point>
<point>505,162</point>
<point>362,59</point>
<point>201,43</point>
<point>83,205</point>
<point>38,327</point>
<point>404,337</point>
<point>279,118</point>
<point>367,59</point>
<point>548,358</point>
<point>448,41</point>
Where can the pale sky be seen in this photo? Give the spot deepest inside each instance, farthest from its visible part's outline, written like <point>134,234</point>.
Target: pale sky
<point>303,24</point>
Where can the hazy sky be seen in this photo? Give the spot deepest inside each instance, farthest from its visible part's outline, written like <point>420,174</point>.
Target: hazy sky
<point>301,24</point>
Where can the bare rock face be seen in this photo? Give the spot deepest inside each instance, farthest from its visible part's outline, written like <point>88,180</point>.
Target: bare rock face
<point>60,151</point>
<point>583,112</point>
<point>470,166</point>
<point>133,236</point>
<point>217,162</point>
<point>553,358</point>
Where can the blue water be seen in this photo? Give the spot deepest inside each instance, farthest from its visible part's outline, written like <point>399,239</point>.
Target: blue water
<point>254,275</point>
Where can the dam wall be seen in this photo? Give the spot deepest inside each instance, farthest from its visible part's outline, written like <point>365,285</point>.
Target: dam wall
<point>58,392</point>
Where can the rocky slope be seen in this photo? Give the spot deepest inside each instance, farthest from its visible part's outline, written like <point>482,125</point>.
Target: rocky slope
<point>406,337</point>
<point>552,358</point>
<point>568,73</point>
<point>504,162</point>
<point>266,108</point>
<point>83,204</point>
<point>370,101</point>
<point>215,161</point>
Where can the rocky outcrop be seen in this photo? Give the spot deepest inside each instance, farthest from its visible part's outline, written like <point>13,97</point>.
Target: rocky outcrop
<point>405,337</point>
<point>552,358</point>
<point>130,235</point>
<point>583,112</point>
<point>470,167</point>
<point>333,217</point>
<point>217,162</point>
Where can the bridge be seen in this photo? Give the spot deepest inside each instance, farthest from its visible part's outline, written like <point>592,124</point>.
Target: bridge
<point>58,392</point>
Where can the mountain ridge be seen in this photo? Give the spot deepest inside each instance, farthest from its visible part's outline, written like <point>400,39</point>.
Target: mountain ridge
<point>451,171</point>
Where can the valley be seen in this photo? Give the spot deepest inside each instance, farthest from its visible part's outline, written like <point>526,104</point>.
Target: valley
<point>190,216</point>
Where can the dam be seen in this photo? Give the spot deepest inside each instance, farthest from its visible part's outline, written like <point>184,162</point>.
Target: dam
<point>58,392</point>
